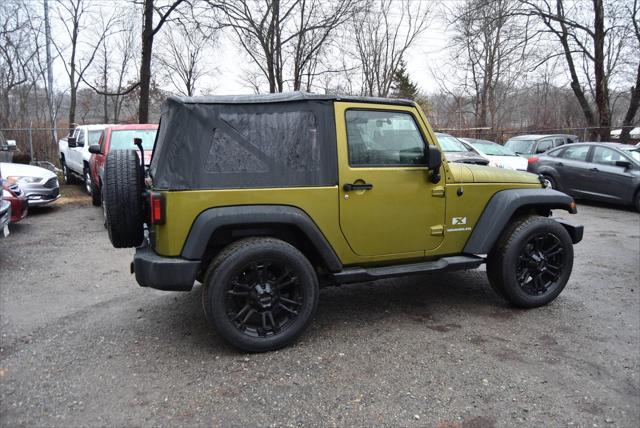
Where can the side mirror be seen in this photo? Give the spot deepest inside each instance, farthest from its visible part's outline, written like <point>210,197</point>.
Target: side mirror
<point>11,144</point>
<point>623,163</point>
<point>434,162</point>
<point>95,149</point>
<point>71,142</point>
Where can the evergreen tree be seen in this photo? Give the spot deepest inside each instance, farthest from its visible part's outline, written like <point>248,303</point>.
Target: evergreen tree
<point>402,86</point>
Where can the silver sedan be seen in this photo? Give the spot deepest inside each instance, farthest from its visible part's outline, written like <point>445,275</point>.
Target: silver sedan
<point>40,185</point>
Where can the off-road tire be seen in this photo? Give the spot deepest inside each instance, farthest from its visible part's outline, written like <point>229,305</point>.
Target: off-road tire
<point>507,257</point>
<point>67,176</point>
<point>123,187</point>
<point>232,262</point>
<point>96,194</point>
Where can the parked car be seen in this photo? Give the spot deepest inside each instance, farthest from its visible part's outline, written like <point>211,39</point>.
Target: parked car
<point>455,150</point>
<point>18,200</point>
<point>118,137</point>
<point>498,156</point>
<point>607,172</point>
<point>40,185</point>
<point>74,154</point>
<point>5,211</point>
<point>528,145</point>
<point>264,198</point>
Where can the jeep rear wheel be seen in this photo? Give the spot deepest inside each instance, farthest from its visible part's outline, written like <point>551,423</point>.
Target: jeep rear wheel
<point>260,294</point>
<point>532,261</point>
<point>123,186</point>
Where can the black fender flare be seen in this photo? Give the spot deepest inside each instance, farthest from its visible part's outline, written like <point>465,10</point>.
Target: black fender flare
<point>212,219</point>
<point>501,208</point>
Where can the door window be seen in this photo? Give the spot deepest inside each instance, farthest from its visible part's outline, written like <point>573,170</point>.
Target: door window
<point>606,156</point>
<point>544,145</point>
<point>578,153</point>
<point>383,138</point>
<point>80,139</point>
<point>558,142</point>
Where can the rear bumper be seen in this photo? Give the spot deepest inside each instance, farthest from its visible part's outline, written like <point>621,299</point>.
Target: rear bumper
<point>575,230</point>
<point>163,273</point>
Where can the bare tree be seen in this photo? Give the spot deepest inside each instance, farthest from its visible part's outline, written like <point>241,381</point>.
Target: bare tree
<point>149,32</point>
<point>384,30</point>
<point>634,101</point>
<point>595,37</point>
<point>17,52</point>
<point>490,47</point>
<point>273,31</point>
<point>73,15</point>
<point>182,55</point>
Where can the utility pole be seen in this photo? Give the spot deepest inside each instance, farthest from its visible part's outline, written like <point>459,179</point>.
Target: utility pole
<point>52,113</point>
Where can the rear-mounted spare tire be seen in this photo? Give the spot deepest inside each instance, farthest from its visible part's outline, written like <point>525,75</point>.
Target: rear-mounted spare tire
<point>123,187</point>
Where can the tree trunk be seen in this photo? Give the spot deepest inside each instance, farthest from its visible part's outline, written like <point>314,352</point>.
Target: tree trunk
<point>602,85</point>
<point>634,103</point>
<point>145,65</point>
<point>575,81</point>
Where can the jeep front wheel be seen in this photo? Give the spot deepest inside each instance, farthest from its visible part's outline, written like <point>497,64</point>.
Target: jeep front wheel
<point>123,187</point>
<point>260,294</point>
<point>531,262</point>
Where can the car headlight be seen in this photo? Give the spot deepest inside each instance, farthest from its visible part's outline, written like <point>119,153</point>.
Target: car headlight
<point>24,179</point>
<point>6,193</point>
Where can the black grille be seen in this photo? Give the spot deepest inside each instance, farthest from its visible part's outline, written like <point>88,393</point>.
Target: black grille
<point>51,183</point>
<point>16,189</point>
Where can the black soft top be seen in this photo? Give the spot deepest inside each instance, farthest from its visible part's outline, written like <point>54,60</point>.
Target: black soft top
<point>286,97</point>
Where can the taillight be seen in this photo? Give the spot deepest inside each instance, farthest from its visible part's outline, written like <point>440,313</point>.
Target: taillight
<point>156,208</point>
<point>533,159</point>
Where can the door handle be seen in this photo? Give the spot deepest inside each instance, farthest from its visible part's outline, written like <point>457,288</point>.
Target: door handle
<point>594,169</point>
<point>348,187</point>
<point>559,164</point>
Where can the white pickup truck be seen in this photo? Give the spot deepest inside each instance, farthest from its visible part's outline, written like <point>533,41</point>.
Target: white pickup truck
<point>74,153</point>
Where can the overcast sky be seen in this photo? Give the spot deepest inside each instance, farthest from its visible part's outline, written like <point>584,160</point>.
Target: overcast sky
<point>231,63</point>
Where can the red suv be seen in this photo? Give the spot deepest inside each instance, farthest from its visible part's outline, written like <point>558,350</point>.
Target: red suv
<point>118,137</point>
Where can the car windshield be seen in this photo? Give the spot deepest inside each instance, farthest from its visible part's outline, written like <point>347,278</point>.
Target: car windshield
<point>520,146</point>
<point>451,144</point>
<point>493,149</point>
<point>94,137</point>
<point>122,140</point>
<point>634,152</point>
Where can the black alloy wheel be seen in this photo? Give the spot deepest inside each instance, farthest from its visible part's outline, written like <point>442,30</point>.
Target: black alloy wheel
<point>260,294</point>
<point>532,261</point>
<point>540,263</point>
<point>264,298</point>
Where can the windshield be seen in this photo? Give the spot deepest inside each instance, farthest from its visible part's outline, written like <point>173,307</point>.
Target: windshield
<point>520,146</point>
<point>450,144</point>
<point>493,149</point>
<point>634,153</point>
<point>94,137</point>
<point>122,140</point>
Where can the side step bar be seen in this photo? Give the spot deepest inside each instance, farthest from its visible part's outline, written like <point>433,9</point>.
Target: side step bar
<point>359,274</point>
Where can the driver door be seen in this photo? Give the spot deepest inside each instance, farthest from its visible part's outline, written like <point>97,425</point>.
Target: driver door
<point>387,203</point>
<point>75,153</point>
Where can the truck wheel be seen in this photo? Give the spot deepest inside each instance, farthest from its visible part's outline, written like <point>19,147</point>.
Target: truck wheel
<point>96,195</point>
<point>531,262</point>
<point>123,188</point>
<point>66,174</point>
<point>87,180</point>
<point>260,294</point>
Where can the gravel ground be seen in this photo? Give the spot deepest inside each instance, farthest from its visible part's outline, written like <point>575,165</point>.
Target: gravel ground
<point>82,344</point>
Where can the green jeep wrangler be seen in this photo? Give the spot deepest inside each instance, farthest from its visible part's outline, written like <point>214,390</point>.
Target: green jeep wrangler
<point>263,199</point>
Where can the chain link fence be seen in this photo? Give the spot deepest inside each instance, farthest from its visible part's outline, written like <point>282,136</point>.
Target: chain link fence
<point>32,144</point>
